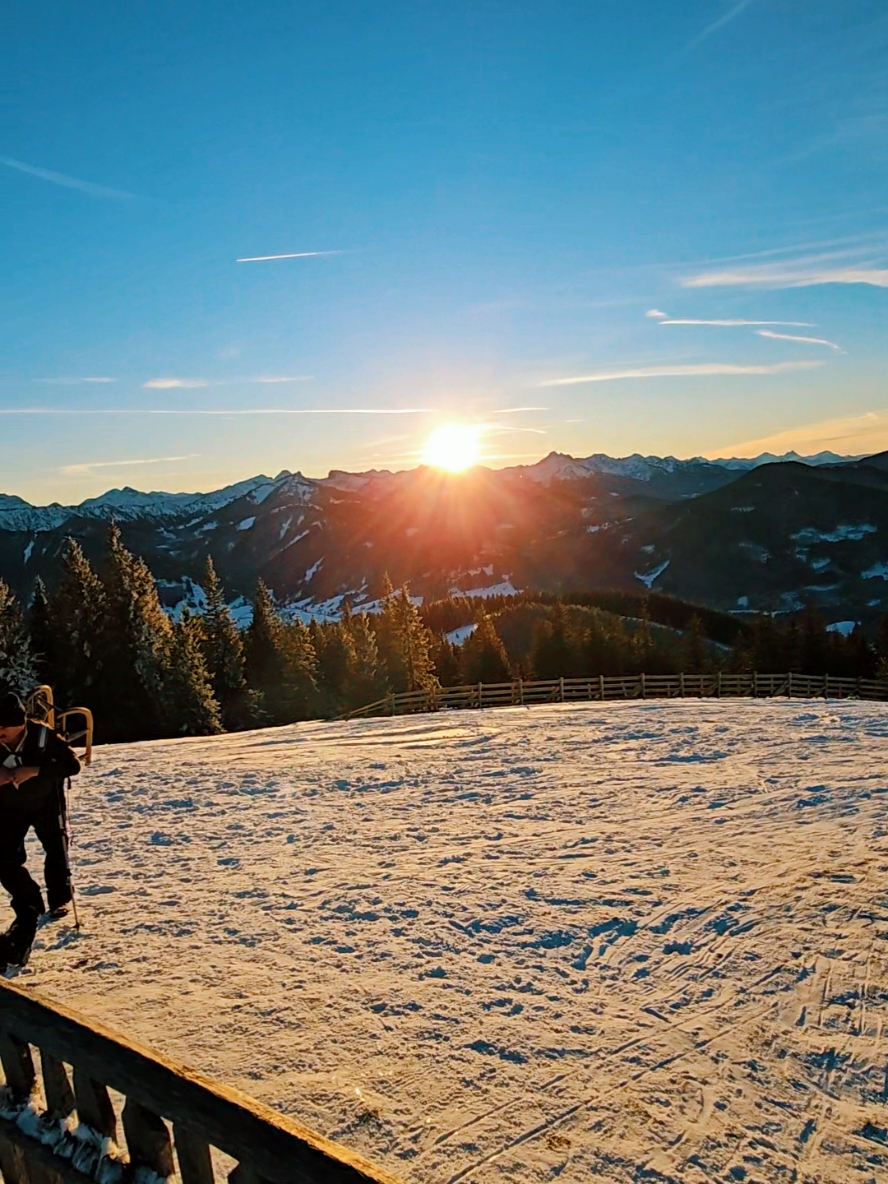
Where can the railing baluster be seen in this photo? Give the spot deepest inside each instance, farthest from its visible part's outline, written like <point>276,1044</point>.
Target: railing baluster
<point>241,1174</point>
<point>59,1095</point>
<point>18,1066</point>
<point>147,1139</point>
<point>193,1154</point>
<point>94,1104</point>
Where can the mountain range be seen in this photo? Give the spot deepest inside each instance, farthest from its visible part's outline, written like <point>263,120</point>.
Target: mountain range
<point>767,534</point>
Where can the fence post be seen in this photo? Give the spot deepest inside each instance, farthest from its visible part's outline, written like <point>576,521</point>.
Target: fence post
<point>643,688</point>
<point>601,687</point>
<point>94,1104</point>
<point>755,684</point>
<point>826,686</point>
<point>193,1154</point>
<point>480,693</point>
<point>18,1066</point>
<point>56,1086</point>
<point>147,1139</point>
<point>521,691</point>
<point>681,684</point>
<point>718,688</point>
<point>789,686</point>
<point>561,688</point>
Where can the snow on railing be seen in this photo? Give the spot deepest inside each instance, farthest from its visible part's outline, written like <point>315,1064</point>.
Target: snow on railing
<point>600,688</point>
<point>61,1129</point>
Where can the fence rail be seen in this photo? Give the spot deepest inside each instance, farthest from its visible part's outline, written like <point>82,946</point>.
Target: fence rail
<point>636,686</point>
<point>61,1129</point>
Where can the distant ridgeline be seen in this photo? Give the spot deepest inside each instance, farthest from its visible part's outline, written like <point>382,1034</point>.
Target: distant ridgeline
<point>102,639</point>
<point>737,536</point>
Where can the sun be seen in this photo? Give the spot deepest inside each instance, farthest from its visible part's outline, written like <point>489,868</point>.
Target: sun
<point>454,447</point>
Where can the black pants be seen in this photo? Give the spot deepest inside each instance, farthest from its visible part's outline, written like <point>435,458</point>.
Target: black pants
<point>16,819</point>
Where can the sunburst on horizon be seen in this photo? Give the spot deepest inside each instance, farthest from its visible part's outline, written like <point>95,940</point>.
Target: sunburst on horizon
<point>454,447</point>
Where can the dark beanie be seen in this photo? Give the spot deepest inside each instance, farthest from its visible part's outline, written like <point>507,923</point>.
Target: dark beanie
<point>12,713</point>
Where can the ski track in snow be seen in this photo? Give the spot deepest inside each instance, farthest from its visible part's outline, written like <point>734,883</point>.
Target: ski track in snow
<point>623,941</point>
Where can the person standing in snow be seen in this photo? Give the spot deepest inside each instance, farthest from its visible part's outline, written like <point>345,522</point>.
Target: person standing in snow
<point>34,763</point>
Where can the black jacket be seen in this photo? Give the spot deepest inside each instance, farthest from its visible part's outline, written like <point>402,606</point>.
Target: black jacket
<point>46,750</point>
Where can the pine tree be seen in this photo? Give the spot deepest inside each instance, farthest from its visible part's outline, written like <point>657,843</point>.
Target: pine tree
<point>483,657</point>
<point>280,663</point>
<point>135,638</point>
<point>882,649</point>
<point>446,659</point>
<point>187,704</point>
<point>42,634</point>
<point>764,649</point>
<point>298,695</point>
<point>404,644</point>
<point>555,654</point>
<point>604,646</point>
<point>861,655</point>
<point>77,610</point>
<point>336,658</point>
<point>366,681</point>
<point>223,653</point>
<point>263,650</point>
<point>814,642</point>
<point>641,646</point>
<point>694,657</point>
<point>17,670</point>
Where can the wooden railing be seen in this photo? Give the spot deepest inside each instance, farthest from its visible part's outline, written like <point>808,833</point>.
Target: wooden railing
<point>61,1129</point>
<point>636,686</point>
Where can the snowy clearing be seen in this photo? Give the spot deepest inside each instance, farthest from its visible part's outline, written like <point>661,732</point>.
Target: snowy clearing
<point>621,941</point>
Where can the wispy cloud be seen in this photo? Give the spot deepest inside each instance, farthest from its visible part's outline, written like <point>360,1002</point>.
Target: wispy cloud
<point>723,20</point>
<point>803,274</point>
<point>292,255</point>
<point>62,179</point>
<point>736,323</point>
<point>700,370</point>
<point>274,378</point>
<point>81,470</point>
<point>72,381</point>
<point>168,384</point>
<point>851,436</point>
<point>800,340</point>
<point>665,319</point>
<point>219,411</point>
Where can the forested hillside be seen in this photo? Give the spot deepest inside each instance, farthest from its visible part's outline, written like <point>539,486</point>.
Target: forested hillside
<point>102,639</point>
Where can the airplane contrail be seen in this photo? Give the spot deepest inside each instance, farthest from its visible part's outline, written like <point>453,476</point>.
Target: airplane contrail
<point>294,255</point>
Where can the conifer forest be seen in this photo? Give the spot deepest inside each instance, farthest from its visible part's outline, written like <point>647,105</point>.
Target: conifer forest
<point>102,640</point>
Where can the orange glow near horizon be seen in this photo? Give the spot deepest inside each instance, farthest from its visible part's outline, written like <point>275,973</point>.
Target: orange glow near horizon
<point>454,447</point>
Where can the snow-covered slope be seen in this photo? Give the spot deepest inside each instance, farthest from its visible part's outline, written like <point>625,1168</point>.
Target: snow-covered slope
<point>710,532</point>
<point>128,504</point>
<point>627,942</point>
<point>557,466</point>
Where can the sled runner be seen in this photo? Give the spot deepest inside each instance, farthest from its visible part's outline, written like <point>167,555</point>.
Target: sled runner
<point>74,725</point>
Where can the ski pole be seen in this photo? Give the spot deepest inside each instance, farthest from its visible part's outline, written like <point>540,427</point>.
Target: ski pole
<point>66,836</point>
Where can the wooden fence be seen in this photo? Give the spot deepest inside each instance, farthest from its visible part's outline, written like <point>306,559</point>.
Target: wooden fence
<point>636,686</point>
<point>61,1129</point>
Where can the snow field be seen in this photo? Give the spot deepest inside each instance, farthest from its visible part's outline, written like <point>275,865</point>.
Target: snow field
<point>597,941</point>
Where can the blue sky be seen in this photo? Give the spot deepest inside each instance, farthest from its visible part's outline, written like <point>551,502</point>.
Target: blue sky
<point>496,206</point>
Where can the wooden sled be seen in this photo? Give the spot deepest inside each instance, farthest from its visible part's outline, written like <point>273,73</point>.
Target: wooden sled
<point>75,725</point>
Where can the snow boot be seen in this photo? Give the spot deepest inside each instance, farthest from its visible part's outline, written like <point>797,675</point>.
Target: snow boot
<point>15,945</point>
